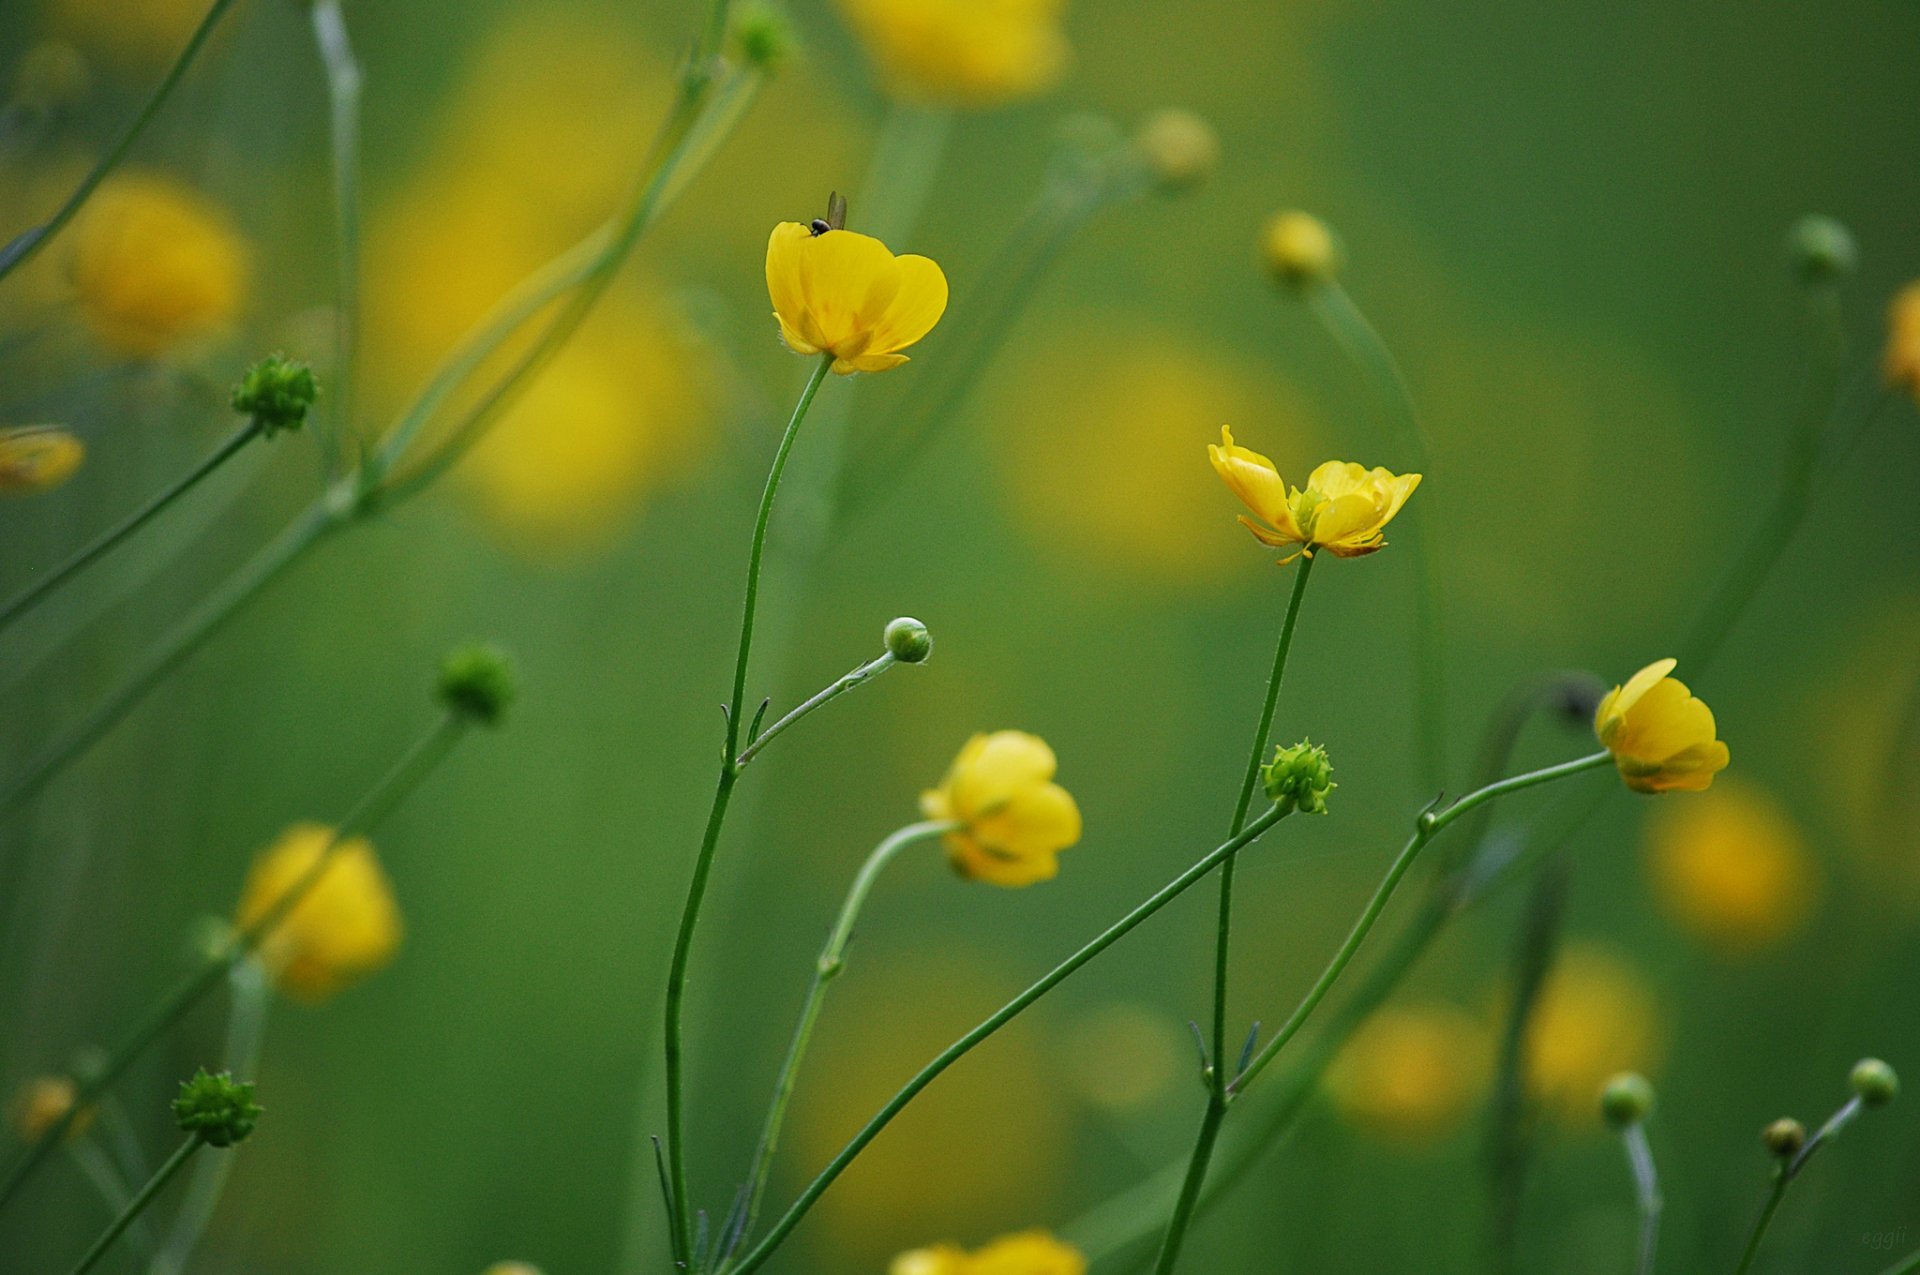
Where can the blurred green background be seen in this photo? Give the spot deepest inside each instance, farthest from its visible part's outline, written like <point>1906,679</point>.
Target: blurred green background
<point>1567,220</point>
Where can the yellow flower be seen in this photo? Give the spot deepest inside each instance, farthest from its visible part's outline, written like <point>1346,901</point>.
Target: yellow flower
<point>1013,818</point>
<point>1732,868</point>
<point>1660,736</point>
<point>1902,360</point>
<point>1024,1253</point>
<point>845,294</point>
<point>37,458</point>
<point>347,925</point>
<point>42,1102</point>
<point>963,52</point>
<point>1412,1072</point>
<point>154,264</point>
<point>1595,1017</point>
<point>1343,509</point>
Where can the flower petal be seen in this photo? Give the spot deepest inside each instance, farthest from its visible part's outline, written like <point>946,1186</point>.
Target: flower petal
<point>916,306</point>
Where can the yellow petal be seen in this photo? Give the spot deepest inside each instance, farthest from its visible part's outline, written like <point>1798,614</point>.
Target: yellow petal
<point>1253,478</point>
<point>916,306</point>
<point>1035,821</point>
<point>994,767</point>
<point>1621,699</point>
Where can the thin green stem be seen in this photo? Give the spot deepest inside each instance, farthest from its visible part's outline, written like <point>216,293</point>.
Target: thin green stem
<point>1775,1192</point>
<point>1784,1174</point>
<point>108,540</point>
<point>1646,1185</point>
<point>1905,1266</point>
<point>99,1169</point>
<point>344,82</point>
<point>858,677</point>
<point>906,157</point>
<point>29,242</point>
<point>138,1204</point>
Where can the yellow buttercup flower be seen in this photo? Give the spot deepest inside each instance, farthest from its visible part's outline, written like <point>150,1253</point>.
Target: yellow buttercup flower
<point>1412,1072</point>
<point>1902,360</point>
<point>1732,868</point>
<point>1661,737</point>
<point>963,52</point>
<point>1595,1017</point>
<point>1343,509</point>
<point>153,264</point>
<point>37,458</point>
<point>1025,1253</point>
<point>1013,819</point>
<point>347,925</point>
<point>845,294</point>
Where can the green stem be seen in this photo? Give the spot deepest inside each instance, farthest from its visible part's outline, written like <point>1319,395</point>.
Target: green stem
<point>1646,1184</point>
<point>344,82</point>
<point>138,1204</point>
<point>1774,1193</point>
<point>1905,1266</point>
<point>859,677</point>
<point>26,244</point>
<point>99,1169</point>
<point>110,539</point>
<point>906,157</point>
<point>1784,1174</point>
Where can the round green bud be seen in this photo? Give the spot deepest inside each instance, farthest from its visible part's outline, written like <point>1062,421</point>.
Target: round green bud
<point>1821,249</point>
<point>1300,777</point>
<point>1181,149</point>
<point>276,392</point>
<point>763,36</point>
<point>218,1108</point>
<point>478,681</point>
<point>1784,1137</point>
<point>1874,1082</point>
<point>908,640</point>
<point>1626,1100</point>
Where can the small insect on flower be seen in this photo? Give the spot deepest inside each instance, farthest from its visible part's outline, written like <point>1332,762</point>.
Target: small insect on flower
<point>1024,1253</point>
<point>37,458</point>
<point>1661,737</point>
<point>973,53</point>
<point>347,925</point>
<point>153,264</point>
<point>1013,819</point>
<point>1343,509</point>
<point>839,292</point>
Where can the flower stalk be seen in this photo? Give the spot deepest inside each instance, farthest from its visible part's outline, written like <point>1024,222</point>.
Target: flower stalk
<point>344,80</point>
<point>138,1205</point>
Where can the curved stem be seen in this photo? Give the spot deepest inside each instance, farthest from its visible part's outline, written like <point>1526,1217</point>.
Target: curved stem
<point>110,539</point>
<point>1767,1210</point>
<point>1646,1183</point>
<point>1784,1174</point>
<point>138,1204</point>
<point>344,81</point>
<point>859,677</point>
<point>1905,1266</point>
<point>113,1186</point>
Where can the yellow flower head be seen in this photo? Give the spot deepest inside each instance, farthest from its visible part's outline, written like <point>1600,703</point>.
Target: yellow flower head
<point>1902,359</point>
<point>963,52</point>
<point>1013,818</point>
<point>1343,509</point>
<point>1660,736</point>
<point>43,1102</point>
<point>154,264</point>
<point>1595,1017</point>
<point>1025,1253</point>
<point>347,926</point>
<point>1412,1073</point>
<point>37,458</point>
<point>845,294</point>
<point>1731,868</point>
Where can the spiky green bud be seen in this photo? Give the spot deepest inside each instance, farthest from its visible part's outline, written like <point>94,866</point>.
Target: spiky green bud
<point>1300,777</point>
<point>218,1108</point>
<point>276,392</point>
<point>478,681</point>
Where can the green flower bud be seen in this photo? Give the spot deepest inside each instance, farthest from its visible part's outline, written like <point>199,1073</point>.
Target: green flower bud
<point>763,36</point>
<point>218,1108</point>
<point>908,640</point>
<point>1784,1137</point>
<point>1626,1100</point>
<point>1821,249</point>
<point>276,392</point>
<point>1300,777</point>
<point>478,681</point>
<point>1874,1082</point>
<point>1299,250</point>
<point>1180,148</point>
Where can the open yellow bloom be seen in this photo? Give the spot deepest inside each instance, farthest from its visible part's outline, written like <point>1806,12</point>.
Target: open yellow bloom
<point>1412,1072</point>
<point>346,927</point>
<point>1661,737</point>
<point>963,52</point>
<point>1013,818</point>
<point>1902,359</point>
<point>845,294</point>
<point>154,264</point>
<point>37,458</point>
<point>1343,509</point>
<point>1024,1253</point>
<point>1732,868</point>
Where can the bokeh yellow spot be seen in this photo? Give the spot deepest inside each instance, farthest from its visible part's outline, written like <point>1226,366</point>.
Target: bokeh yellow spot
<point>1023,1253</point>
<point>975,53</point>
<point>153,264</point>
<point>1412,1072</point>
<point>139,34</point>
<point>38,458</point>
<point>1123,1058</point>
<point>344,928</point>
<point>1732,869</point>
<point>1595,1016</point>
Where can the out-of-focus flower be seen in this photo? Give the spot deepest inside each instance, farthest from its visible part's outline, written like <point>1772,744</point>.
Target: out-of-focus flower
<point>347,925</point>
<point>1180,147</point>
<point>1013,818</point>
<point>512,1268</point>
<point>1902,359</point>
<point>975,53</point>
<point>153,263</point>
<point>846,294</point>
<point>37,458</point>
<point>1595,1017</point>
<point>1023,1253</point>
<point>142,34</point>
<point>1661,737</point>
<point>1298,249</point>
<point>1412,1072</point>
<point>1123,1057</point>
<point>51,75</point>
<point>43,1102</point>
<point>1731,868</point>
<point>1343,509</point>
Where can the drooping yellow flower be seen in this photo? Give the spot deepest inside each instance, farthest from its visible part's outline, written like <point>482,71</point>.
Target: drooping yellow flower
<point>975,53</point>
<point>1411,1073</point>
<point>1024,1253</point>
<point>37,458</point>
<point>346,927</point>
<point>1596,1016</point>
<point>1343,509</point>
<point>1731,867</point>
<point>1902,359</point>
<point>1661,737</point>
<point>153,264</point>
<point>1013,818</point>
<point>43,1102</point>
<point>846,294</point>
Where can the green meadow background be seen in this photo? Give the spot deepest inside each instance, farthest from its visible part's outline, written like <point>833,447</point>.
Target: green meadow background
<point>1568,221</point>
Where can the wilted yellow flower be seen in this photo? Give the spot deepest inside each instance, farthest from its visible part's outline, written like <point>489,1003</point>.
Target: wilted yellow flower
<point>845,294</point>
<point>1661,737</point>
<point>963,52</point>
<point>37,458</point>
<point>1013,818</point>
<point>1902,359</point>
<point>1299,249</point>
<point>1731,867</point>
<point>1343,509</point>
<point>1412,1072</point>
<point>346,927</point>
<point>153,264</point>
<point>42,1102</point>
<point>1024,1253</point>
<point>1595,1017</point>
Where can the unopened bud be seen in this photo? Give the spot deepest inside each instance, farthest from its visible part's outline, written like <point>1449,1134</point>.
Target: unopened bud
<point>1821,249</point>
<point>1626,1100</point>
<point>1299,249</point>
<point>1784,1137</point>
<point>1874,1082</point>
<point>1300,777</point>
<point>478,681</point>
<point>908,640</point>
<point>1180,147</point>
<point>218,1108</point>
<point>276,392</point>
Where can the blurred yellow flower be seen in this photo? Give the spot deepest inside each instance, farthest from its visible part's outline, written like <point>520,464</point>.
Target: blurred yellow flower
<point>1731,867</point>
<point>1902,359</point>
<point>42,1102</point>
<point>1412,1072</point>
<point>153,263</point>
<point>845,294</point>
<point>148,32</point>
<point>1013,818</point>
<point>1024,1253</point>
<point>346,927</point>
<point>1661,737</point>
<point>1299,249</point>
<point>37,458</point>
<point>1595,1017</point>
<point>974,53</point>
<point>1343,509</point>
